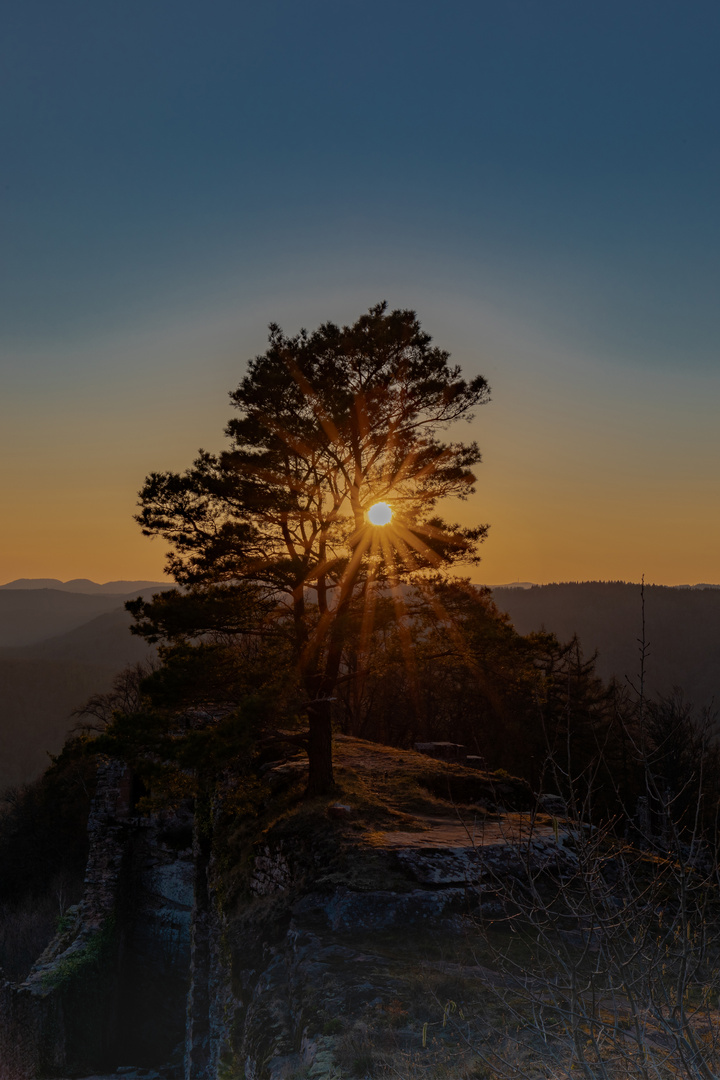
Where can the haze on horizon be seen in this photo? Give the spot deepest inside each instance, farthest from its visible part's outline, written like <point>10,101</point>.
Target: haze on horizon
<point>539,182</point>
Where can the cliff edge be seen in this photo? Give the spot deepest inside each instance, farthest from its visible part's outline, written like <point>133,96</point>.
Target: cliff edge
<point>256,935</point>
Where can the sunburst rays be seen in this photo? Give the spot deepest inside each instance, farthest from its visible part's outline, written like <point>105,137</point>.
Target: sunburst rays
<point>378,488</point>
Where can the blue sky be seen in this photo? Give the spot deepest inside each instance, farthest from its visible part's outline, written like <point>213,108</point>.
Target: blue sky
<point>538,180</point>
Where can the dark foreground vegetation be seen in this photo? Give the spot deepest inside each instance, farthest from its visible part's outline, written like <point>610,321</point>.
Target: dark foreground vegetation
<point>43,851</point>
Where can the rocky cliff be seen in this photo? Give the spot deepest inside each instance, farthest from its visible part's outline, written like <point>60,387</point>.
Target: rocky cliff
<point>303,940</point>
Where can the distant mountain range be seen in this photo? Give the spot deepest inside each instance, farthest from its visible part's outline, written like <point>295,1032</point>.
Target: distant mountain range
<point>84,585</point>
<point>515,585</point>
<point>532,585</point>
<point>58,647</point>
<point>28,616</point>
<point>682,629</point>
<point>703,585</point>
<point>41,684</point>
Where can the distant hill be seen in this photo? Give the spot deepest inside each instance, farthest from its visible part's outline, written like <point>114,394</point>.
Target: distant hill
<point>30,615</point>
<point>702,585</point>
<point>515,585</point>
<point>105,640</point>
<point>84,585</point>
<point>57,648</point>
<point>41,684</point>
<point>682,629</point>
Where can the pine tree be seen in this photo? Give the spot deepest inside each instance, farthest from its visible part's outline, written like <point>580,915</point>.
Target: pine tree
<point>329,423</point>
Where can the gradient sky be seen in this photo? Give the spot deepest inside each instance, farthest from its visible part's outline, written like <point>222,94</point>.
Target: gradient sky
<point>539,179</point>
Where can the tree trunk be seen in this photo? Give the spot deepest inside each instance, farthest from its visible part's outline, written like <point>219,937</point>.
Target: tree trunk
<point>320,687</point>
<point>320,764</point>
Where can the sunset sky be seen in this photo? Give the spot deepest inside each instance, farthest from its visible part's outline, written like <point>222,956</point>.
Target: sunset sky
<point>539,179</point>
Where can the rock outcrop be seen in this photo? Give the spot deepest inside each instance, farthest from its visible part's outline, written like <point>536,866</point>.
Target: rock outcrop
<point>114,979</point>
<point>335,951</point>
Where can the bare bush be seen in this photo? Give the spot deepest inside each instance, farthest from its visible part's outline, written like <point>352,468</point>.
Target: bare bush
<point>124,697</point>
<point>29,925</point>
<point>608,957</point>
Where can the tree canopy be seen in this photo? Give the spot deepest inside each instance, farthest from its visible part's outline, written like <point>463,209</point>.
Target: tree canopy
<point>329,423</point>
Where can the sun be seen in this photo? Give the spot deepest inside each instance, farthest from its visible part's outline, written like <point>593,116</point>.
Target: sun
<point>380,514</point>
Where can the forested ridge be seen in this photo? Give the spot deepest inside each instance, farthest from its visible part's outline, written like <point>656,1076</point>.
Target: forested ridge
<point>43,682</point>
<point>682,629</point>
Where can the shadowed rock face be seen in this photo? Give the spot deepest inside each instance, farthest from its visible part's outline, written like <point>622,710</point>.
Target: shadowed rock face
<point>114,981</point>
<point>320,969</point>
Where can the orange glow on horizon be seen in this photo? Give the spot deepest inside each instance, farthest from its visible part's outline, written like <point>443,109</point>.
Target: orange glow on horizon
<point>567,497</point>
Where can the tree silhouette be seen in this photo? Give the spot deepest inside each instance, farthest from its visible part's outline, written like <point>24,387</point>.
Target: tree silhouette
<point>330,423</point>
